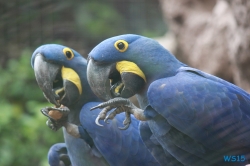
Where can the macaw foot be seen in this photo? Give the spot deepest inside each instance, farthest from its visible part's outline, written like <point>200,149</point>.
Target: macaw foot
<point>72,129</point>
<point>121,105</point>
<point>57,117</point>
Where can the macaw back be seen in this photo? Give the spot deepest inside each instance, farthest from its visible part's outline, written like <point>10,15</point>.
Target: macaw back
<point>205,118</point>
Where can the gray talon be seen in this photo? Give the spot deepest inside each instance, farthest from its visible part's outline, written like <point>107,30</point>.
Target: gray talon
<point>125,127</point>
<point>48,123</point>
<point>121,105</point>
<point>93,108</point>
<point>127,119</point>
<point>106,120</point>
<point>52,123</point>
<point>97,121</point>
<point>126,122</point>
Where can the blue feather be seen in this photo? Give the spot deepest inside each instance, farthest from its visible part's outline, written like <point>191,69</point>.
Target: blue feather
<point>106,145</point>
<point>193,117</point>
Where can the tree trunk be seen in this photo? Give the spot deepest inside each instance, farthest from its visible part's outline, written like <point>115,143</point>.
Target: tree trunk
<point>213,36</point>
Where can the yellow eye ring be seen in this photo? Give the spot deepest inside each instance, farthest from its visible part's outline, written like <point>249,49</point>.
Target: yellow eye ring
<point>121,45</point>
<point>68,53</point>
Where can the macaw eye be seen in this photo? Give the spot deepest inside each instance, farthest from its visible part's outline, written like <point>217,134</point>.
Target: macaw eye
<point>121,45</point>
<point>68,53</point>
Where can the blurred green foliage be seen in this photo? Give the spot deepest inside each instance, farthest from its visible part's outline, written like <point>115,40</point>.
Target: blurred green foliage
<point>80,24</point>
<point>24,137</point>
<point>98,24</point>
<point>97,20</point>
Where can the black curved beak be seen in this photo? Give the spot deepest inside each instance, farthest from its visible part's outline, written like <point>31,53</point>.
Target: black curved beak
<point>98,80</point>
<point>46,74</point>
<point>60,85</point>
<point>107,82</point>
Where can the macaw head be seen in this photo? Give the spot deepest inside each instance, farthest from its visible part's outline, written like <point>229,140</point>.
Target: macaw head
<point>60,73</point>
<point>125,65</point>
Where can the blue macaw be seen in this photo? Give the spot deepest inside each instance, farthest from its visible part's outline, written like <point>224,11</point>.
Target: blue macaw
<point>196,118</point>
<point>61,74</point>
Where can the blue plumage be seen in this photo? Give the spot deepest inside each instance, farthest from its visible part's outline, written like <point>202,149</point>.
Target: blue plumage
<point>193,117</point>
<point>98,145</point>
<point>206,109</point>
<point>58,155</point>
<point>117,146</point>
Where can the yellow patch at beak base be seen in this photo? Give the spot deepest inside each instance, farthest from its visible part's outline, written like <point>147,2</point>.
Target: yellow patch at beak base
<point>127,66</point>
<point>70,75</point>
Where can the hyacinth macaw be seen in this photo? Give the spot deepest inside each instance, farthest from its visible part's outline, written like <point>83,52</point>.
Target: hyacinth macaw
<point>196,118</point>
<point>61,74</point>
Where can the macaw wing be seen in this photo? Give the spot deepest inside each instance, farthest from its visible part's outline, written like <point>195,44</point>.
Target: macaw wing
<point>119,147</point>
<point>160,154</point>
<point>204,117</point>
<point>58,155</point>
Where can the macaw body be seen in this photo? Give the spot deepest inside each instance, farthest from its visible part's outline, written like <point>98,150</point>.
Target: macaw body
<point>188,117</point>
<point>61,74</point>
<point>204,118</point>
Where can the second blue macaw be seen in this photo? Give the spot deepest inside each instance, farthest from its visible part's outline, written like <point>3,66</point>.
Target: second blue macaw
<point>61,74</point>
<point>197,118</point>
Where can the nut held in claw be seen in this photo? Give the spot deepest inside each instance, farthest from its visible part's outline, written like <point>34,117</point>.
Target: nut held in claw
<point>55,114</point>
